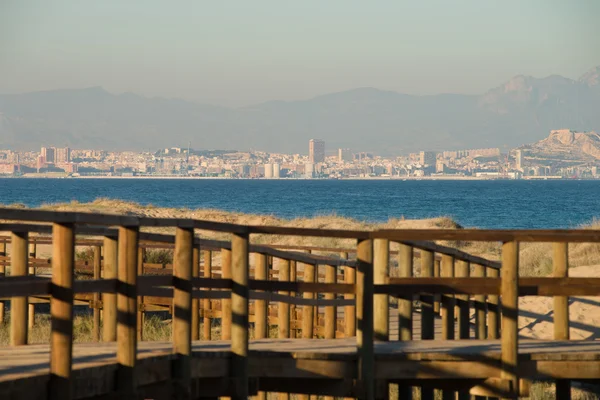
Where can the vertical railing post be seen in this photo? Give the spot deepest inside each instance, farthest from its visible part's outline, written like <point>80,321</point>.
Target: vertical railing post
<point>261,272</point>
<point>18,305</point>
<point>349,311</point>
<point>381,306</point>
<point>182,311</point>
<point>560,261</point>
<point>493,303</point>
<point>4,253</point>
<point>96,296</point>
<point>510,314</point>
<point>462,302</point>
<point>61,311</point>
<point>308,312</point>
<point>364,316</point>
<point>207,323</point>
<point>405,308</point>
<point>330,311</point>
<point>195,302</point>
<point>109,300</point>
<point>293,314</point>
<point>427,317</point>
<point>239,306</point>
<point>32,256</point>
<point>480,306</point>
<point>260,306</point>
<point>140,315</point>
<point>437,266</point>
<point>127,309</point>
<point>447,312</point>
<point>226,303</point>
<point>283,309</point>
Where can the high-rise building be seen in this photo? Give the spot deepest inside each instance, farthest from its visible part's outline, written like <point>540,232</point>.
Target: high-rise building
<point>316,151</point>
<point>268,170</point>
<point>427,157</point>
<point>276,170</point>
<point>519,159</point>
<point>345,155</point>
<point>48,154</point>
<point>62,155</point>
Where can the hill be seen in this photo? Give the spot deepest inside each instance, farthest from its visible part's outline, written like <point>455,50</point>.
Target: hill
<point>521,110</point>
<point>565,147</point>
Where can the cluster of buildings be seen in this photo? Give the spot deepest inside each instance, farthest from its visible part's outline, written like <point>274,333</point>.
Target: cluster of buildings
<point>339,163</point>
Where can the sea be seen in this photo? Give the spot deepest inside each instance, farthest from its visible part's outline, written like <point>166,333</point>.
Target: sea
<point>499,204</point>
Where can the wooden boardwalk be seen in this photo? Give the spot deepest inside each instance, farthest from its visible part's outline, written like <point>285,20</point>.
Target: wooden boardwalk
<point>453,326</point>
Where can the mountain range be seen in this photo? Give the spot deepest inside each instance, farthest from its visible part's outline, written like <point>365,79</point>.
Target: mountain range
<point>522,110</point>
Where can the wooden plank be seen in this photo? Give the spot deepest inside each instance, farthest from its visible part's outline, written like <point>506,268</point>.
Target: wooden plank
<point>31,311</point>
<point>427,317</point>
<point>109,300</point>
<point>18,305</point>
<point>182,312</point>
<point>239,302</point>
<point>301,287</point>
<point>447,305</point>
<point>381,306</point>
<point>61,311</point>
<point>493,316</point>
<point>480,305</point>
<point>127,309</point>
<point>462,301</point>
<point>96,311</point>
<point>226,318</point>
<point>364,316</point>
<point>405,309</point>
<point>510,311</point>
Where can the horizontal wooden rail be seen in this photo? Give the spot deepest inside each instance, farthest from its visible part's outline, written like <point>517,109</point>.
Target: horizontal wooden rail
<point>301,287</point>
<point>491,286</point>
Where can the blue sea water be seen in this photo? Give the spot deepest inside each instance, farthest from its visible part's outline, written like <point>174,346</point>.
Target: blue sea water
<point>483,204</point>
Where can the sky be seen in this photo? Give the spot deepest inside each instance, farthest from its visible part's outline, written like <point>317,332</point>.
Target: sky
<point>237,53</point>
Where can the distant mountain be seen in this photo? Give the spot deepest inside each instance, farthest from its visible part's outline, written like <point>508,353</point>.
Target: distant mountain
<point>522,110</point>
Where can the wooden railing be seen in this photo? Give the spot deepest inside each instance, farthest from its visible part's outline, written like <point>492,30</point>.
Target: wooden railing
<point>448,279</point>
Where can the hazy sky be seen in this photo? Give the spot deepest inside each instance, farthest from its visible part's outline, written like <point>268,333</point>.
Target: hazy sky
<point>238,53</point>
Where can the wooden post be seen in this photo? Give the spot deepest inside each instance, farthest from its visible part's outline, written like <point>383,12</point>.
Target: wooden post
<point>96,296</point>
<point>183,258</point>
<point>493,314</point>
<point>381,306</point>
<point>61,311</point>
<point>18,305</point>
<point>33,255</point>
<point>561,311</point>
<point>127,309</point>
<point>283,309</point>
<point>261,272</point>
<point>2,274</point>
<point>293,312</point>
<point>308,312</point>
<point>405,309</point>
<point>239,305</point>
<point>330,311</point>
<point>140,313</point>
<point>447,271</point>
<point>510,313</point>
<point>195,302</point>
<point>437,266</point>
<point>462,312</point>
<point>349,311</point>
<point>427,317</point>
<point>109,300</point>
<point>226,303</point>
<point>364,316</point>
<point>480,307</point>
<point>462,302</point>
<point>207,325</point>
<point>447,312</point>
